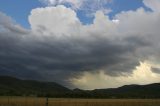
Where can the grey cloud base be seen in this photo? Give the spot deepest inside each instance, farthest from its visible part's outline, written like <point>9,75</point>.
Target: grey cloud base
<point>43,53</point>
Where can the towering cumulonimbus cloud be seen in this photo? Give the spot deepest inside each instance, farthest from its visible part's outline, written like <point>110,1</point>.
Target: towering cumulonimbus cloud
<point>58,47</point>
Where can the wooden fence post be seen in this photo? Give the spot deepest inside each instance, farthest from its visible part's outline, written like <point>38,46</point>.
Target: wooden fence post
<point>47,101</point>
<point>8,100</point>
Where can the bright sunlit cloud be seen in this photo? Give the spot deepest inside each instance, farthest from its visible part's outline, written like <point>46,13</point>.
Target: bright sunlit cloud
<point>143,74</point>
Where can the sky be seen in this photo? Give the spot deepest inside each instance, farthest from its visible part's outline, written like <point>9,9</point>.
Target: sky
<point>87,44</point>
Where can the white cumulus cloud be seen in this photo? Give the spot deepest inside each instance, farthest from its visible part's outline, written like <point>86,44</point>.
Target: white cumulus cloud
<point>53,20</point>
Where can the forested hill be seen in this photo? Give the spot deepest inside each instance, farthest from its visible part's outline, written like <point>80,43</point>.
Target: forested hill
<point>10,86</point>
<point>16,87</point>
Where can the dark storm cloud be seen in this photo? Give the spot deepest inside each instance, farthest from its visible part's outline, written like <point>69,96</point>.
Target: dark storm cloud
<point>28,56</point>
<point>155,70</point>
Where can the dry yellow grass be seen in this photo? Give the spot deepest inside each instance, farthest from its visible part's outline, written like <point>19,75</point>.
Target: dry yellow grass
<point>25,101</point>
<point>22,101</point>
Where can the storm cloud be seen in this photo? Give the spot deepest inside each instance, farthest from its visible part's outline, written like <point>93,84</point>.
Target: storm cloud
<point>59,47</point>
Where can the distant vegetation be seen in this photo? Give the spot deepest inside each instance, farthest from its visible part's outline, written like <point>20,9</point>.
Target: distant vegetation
<point>10,86</point>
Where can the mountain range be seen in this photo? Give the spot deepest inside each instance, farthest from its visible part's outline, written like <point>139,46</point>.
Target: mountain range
<point>10,86</point>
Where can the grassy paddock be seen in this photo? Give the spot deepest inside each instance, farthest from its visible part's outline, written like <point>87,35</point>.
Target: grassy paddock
<point>28,101</point>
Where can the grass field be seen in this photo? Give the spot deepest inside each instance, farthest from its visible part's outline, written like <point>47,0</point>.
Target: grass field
<point>19,101</point>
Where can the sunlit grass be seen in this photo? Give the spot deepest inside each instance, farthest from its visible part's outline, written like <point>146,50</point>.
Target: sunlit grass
<point>29,101</point>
